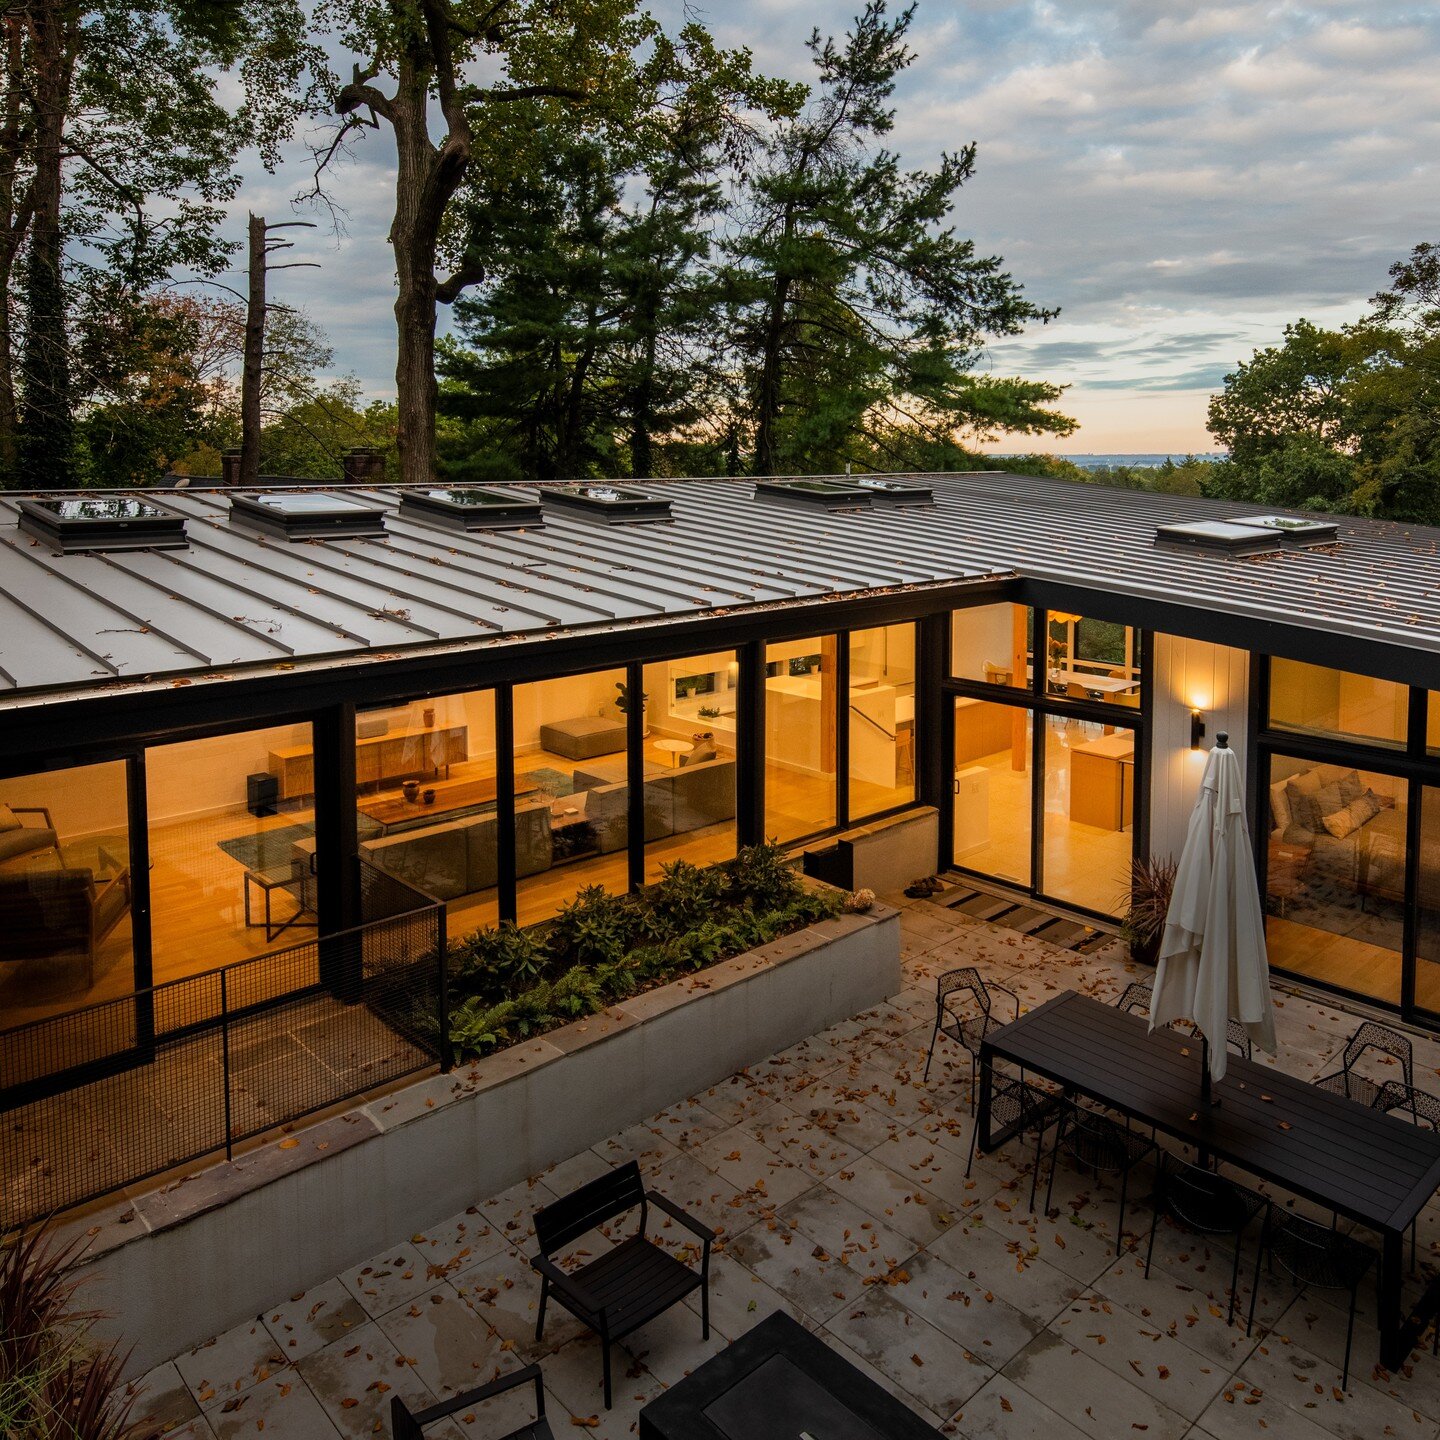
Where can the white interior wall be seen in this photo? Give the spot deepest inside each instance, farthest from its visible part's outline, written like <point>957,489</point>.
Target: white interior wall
<point>1190,673</point>
<point>201,777</point>
<point>982,634</point>
<point>84,800</point>
<point>564,699</point>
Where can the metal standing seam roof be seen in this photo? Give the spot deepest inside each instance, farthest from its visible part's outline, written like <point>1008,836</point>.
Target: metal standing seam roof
<point>237,601</point>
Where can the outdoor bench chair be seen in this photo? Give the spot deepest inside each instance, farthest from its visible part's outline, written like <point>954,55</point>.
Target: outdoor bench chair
<point>967,1030</point>
<point>633,1281</point>
<point>405,1426</point>
<point>1349,1082</point>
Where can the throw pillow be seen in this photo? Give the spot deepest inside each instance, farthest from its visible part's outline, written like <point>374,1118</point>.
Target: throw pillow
<point>1280,812</point>
<point>1366,806</point>
<point>1302,790</point>
<point>1352,787</point>
<point>1328,800</point>
<point>1341,823</point>
<point>7,819</point>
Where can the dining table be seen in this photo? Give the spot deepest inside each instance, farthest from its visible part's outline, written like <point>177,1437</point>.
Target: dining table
<point>1367,1166</point>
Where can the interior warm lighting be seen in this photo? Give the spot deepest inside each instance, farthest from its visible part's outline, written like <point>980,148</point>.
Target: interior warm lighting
<point>1197,727</point>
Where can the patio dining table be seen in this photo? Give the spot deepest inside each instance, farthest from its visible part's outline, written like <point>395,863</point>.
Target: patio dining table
<point>1369,1167</point>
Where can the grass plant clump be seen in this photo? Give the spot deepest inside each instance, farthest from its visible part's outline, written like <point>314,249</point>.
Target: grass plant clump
<point>510,983</point>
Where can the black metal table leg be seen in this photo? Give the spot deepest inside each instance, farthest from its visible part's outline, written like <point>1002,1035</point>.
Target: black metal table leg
<point>982,1108</point>
<point>1394,1341</point>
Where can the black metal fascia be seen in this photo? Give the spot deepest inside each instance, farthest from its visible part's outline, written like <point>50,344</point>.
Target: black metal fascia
<point>73,722</point>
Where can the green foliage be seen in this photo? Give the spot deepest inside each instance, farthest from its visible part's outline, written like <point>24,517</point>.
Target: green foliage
<point>1343,420</point>
<point>603,947</point>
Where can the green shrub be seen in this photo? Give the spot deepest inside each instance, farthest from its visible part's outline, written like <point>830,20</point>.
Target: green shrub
<point>595,928</point>
<point>761,875</point>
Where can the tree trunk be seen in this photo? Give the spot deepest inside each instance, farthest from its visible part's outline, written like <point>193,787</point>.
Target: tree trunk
<point>642,402</point>
<point>253,362</point>
<point>14,224</point>
<point>46,455</point>
<point>767,406</point>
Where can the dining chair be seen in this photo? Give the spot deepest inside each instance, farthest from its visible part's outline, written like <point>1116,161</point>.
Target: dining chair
<point>1098,1144</point>
<point>1018,1106</point>
<point>1139,995</point>
<point>1318,1255</point>
<point>405,1425</point>
<point>1206,1204</point>
<point>967,1029</point>
<point>1421,1108</point>
<point>1368,1036</point>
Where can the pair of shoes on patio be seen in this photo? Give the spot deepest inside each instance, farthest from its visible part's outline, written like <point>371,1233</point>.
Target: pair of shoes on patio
<point>920,889</point>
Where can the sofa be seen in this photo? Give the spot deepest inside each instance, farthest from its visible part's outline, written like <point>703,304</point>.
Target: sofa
<point>584,737</point>
<point>51,904</point>
<point>676,801</point>
<point>461,857</point>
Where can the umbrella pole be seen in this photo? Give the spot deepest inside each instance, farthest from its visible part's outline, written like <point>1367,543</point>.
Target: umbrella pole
<point>1205,1070</point>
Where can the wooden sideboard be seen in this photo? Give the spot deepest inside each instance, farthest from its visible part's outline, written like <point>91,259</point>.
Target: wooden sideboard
<point>982,729</point>
<point>379,759</point>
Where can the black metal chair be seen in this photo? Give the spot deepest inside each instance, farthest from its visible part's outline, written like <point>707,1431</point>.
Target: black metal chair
<point>966,1030</point>
<point>1018,1106</point>
<point>1207,1204</point>
<point>1098,1143</point>
<point>1369,1036</point>
<point>1136,998</point>
<point>1140,994</point>
<point>405,1426</point>
<point>1421,1108</point>
<point>630,1283</point>
<point>1317,1255</point>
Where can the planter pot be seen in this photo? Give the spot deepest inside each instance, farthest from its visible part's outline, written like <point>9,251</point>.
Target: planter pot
<point>286,1216</point>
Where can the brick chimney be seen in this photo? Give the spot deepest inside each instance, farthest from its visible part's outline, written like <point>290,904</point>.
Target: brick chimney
<point>363,465</point>
<point>230,466</point>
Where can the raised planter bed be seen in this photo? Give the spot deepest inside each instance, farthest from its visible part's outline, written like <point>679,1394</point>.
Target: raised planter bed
<point>180,1264</point>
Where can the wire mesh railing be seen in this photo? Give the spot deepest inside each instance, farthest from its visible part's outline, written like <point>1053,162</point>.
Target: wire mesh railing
<point>119,1091</point>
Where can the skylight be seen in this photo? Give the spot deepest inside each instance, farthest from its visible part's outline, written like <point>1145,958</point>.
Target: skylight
<point>614,504</point>
<point>895,494</point>
<point>91,524</point>
<point>818,494</point>
<point>1294,530</point>
<point>470,509</point>
<point>308,515</point>
<point>1223,537</point>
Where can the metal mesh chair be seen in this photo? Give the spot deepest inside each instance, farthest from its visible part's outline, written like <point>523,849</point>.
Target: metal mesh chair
<point>1098,1144</point>
<point>1321,1256</point>
<point>1370,1036</point>
<point>1017,1105</point>
<point>967,1030</point>
<point>1207,1204</point>
<point>1136,998</point>
<point>1421,1108</point>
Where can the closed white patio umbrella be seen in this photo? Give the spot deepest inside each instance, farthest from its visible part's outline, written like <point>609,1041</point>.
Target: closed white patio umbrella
<point>1213,966</point>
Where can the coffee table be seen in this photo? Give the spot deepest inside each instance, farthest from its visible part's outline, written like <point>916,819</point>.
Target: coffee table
<point>779,1382</point>
<point>294,879</point>
<point>675,749</point>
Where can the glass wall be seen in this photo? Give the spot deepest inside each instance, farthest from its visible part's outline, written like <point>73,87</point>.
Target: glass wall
<point>1094,660</point>
<point>992,789</point>
<point>232,847</point>
<point>882,719</point>
<point>991,644</point>
<point>572,824</point>
<point>1427,928</point>
<point>800,722</point>
<point>1335,874</point>
<point>1317,701</point>
<point>1089,813</point>
<point>64,891</point>
<point>690,760</point>
<point>426,802</point>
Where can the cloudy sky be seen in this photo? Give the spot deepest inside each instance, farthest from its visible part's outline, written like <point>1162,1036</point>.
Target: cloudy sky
<point>1181,179</point>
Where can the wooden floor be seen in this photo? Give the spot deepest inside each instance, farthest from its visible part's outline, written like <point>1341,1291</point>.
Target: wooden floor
<point>1084,865</point>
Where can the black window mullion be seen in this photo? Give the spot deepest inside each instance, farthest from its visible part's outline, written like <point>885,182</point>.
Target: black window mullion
<point>505,801</point>
<point>750,744</point>
<point>842,731</point>
<point>141,933</point>
<point>635,772</point>
<point>1410,921</point>
<point>1039,725</point>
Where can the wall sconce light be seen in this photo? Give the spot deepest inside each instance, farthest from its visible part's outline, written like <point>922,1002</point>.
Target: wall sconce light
<point>1197,727</point>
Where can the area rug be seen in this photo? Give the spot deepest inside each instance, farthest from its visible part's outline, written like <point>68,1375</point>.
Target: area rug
<point>552,783</point>
<point>267,848</point>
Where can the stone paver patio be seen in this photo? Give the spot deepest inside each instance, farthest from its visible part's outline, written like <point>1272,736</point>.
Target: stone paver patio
<point>837,1181</point>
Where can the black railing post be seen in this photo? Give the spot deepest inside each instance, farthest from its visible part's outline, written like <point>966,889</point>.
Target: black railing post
<point>225,1062</point>
<point>447,1053</point>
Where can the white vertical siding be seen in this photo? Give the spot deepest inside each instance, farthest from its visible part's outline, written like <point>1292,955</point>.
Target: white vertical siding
<point>1190,673</point>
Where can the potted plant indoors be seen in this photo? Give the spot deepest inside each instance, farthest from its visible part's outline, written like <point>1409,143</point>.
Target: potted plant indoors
<point>1152,882</point>
<point>622,702</point>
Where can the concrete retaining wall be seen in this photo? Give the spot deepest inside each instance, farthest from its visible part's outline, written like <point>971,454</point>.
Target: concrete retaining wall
<point>183,1263</point>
